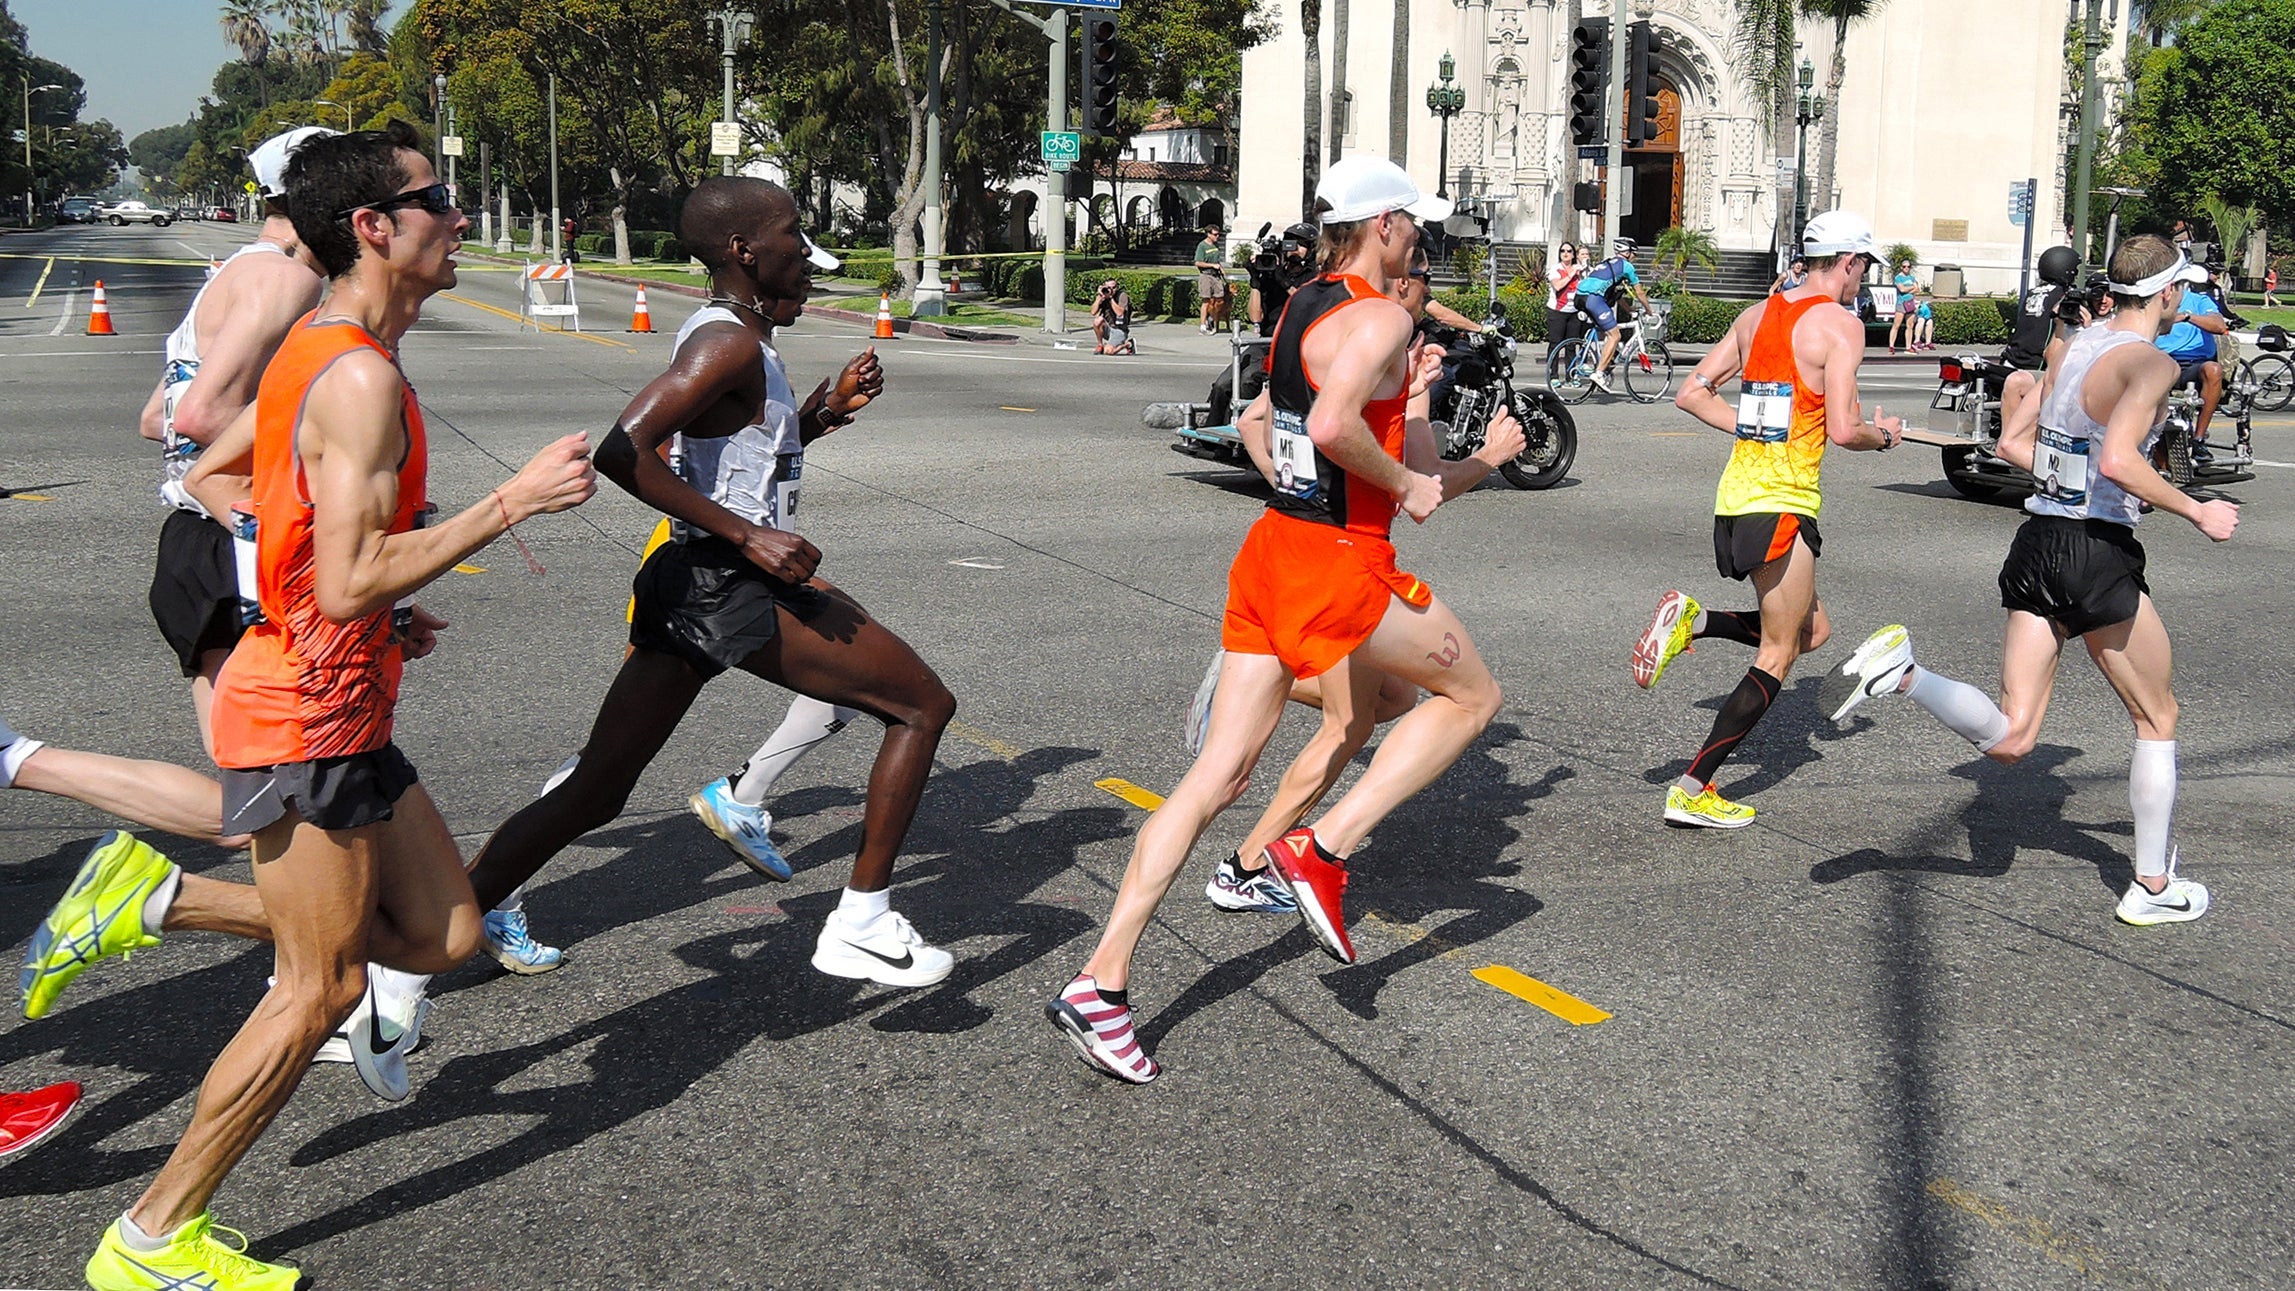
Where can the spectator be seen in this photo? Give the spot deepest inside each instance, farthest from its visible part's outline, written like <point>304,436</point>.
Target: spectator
<point>1272,285</point>
<point>1112,320</point>
<point>1211,277</point>
<point>2270,287</point>
<point>1563,322</point>
<point>1795,274</point>
<point>1908,304</point>
<point>1924,327</point>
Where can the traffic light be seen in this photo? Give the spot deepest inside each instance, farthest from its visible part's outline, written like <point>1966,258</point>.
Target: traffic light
<point>1589,81</point>
<point>1641,85</point>
<point>1099,75</point>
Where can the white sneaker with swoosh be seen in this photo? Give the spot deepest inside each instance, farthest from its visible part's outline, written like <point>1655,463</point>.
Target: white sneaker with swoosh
<point>888,952</point>
<point>379,1043</point>
<point>2181,901</point>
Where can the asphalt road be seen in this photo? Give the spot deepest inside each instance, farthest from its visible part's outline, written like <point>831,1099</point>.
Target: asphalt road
<point>1889,1037</point>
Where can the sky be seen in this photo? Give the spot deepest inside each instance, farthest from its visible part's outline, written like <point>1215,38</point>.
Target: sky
<point>146,62</point>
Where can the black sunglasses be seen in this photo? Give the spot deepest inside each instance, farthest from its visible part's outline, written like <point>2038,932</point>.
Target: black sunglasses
<point>1419,273</point>
<point>434,198</point>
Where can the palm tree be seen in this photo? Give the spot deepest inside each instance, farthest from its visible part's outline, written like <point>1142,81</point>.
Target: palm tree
<point>362,26</point>
<point>1339,105</point>
<point>2156,18</point>
<point>1310,169</point>
<point>1842,13</point>
<point>1763,45</point>
<point>1677,247</point>
<point>244,26</point>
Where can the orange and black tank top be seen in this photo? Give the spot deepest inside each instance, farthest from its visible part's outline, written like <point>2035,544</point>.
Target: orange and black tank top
<point>1780,423</point>
<point>300,687</point>
<point>1308,485</point>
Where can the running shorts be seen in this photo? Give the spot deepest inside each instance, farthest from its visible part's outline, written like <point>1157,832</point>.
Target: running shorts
<point>653,543</point>
<point>331,793</point>
<point>1744,543</point>
<point>2078,574</point>
<point>1310,593</point>
<point>705,603</point>
<point>195,588</point>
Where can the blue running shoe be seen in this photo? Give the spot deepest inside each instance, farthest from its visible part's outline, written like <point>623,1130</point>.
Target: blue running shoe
<point>1234,888</point>
<point>747,830</point>
<point>513,945</point>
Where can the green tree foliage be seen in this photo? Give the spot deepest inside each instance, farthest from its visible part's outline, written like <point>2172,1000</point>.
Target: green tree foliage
<point>2211,113</point>
<point>1678,248</point>
<point>157,153</point>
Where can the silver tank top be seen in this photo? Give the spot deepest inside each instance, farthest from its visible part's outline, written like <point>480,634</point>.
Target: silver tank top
<point>177,454</point>
<point>2063,457</point>
<point>754,471</point>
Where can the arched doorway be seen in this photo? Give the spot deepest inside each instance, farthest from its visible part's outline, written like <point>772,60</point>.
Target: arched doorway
<point>1657,171</point>
<point>1211,212</point>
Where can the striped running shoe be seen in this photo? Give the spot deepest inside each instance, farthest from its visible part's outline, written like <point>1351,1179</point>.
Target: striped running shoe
<point>100,915</point>
<point>200,1256</point>
<point>1666,636</point>
<point>1101,1031</point>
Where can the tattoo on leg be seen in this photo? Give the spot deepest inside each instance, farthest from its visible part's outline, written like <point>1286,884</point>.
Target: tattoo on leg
<point>1450,653</point>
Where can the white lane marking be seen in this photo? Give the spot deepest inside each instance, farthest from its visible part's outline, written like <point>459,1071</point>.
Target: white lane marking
<point>37,287</point>
<point>204,255</point>
<point>976,562</point>
<point>64,320</point>
<point>76,354</point>
<point>2285,466</point>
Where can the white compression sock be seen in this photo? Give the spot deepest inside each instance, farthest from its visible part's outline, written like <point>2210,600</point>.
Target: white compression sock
<point>809,722</point>
<point>1960,706</point>
<point>2151,794</point>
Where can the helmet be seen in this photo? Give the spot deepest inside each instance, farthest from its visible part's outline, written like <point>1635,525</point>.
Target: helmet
<point>1838,233</point>
<point>1302,234</point>
<point>1622,246</point>
<point>2059,265</point>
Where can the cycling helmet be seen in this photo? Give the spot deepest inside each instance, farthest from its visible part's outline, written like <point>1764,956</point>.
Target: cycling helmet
<point>2059,266</point>
<point>1622,247</point>
<point>1839,233</point>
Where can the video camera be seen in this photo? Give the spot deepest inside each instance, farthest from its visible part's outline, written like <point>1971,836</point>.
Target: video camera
<point>2083,304</point>
<point>1267,255</point>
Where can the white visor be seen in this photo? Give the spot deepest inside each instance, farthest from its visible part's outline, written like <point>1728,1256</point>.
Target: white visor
<point>818,258</point>
<point>2160,281</point>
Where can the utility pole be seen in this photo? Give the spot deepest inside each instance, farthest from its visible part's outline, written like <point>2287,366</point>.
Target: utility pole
<point>734,24</point>
<point>1614,112</point>
<point>485,191</point>
<point>1055,214</point>
<point>438,124</point>
<point>2084,169</point>
<point>931,295</point>
<point>557,237</point>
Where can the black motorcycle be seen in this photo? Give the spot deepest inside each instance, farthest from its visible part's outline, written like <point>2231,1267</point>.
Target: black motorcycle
<point>1478,380</point>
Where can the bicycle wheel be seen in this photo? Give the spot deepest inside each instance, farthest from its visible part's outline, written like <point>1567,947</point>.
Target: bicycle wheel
<point>1570,370</point>
<point>2274,378</point>
<point>1649,374</point>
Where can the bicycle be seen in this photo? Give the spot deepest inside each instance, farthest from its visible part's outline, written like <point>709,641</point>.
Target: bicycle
<point>1641,357</point>
<point>2270,376</point>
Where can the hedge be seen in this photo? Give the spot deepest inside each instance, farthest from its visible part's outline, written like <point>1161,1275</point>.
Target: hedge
<point>1971,322</point>
<point>1155,293</point>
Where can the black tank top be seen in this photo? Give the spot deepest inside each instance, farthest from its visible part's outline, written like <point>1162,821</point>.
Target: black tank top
<point>1308,485</point>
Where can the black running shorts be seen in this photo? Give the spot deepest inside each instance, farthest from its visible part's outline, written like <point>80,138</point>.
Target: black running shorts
<point>704,602</point>
<point>195,588</point>
<point>2078,574</point>
<point>1742,544</point>
<point>331,793</point>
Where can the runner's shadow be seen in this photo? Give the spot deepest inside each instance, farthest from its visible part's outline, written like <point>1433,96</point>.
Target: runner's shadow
<point>1785,741</point>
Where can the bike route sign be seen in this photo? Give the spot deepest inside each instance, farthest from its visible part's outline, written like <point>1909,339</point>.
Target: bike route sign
<point>2019,202</point>
<point>1062,148</point>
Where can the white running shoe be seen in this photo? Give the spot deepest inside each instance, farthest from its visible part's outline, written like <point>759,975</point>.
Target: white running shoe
<point>1877,667</point>
<point>889,952</point>
<point>1199,711</point>
<point>379,1039</point>
<point>337,1047</point>
<point>1602,383</point>
<point>2181,901</point>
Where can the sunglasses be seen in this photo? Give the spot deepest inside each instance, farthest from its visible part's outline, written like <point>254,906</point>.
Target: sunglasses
<point>433,198</point>
<point>1419,273</point>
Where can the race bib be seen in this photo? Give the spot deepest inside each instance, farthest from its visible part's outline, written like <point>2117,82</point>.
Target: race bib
<point>1765,411</point>
<point>2060,464</point>
<point>1294,457</point>
<point>781,505</point>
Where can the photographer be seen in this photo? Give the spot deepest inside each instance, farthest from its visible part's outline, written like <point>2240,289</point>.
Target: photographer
<point>1112,320</point>
<point>1282,266</point>
<point>2048,315</point>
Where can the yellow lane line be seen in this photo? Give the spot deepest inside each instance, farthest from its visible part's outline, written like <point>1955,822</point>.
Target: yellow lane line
<point>41,285</point>
<point>469,569</point>
<point>19,255</point>
<point>2054,1244</point>
<point>980,739</point>
<point>1009,408</point>
<point>28,497</point>
<point>500,312</point>
<point>1560,1003</point>
<point>1131,793</point>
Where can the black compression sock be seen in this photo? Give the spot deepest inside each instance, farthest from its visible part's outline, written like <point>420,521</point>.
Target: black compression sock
<point>1738,716</point>
<point>1741,626</point>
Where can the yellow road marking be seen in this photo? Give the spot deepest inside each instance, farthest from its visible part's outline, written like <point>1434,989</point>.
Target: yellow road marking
<point>18,255</point>
<point>31,497</point>
<point>1009,408</point>
<point>1676,434</point>
<point>37,287</point>
<point>980,739</point>
<point>498,311</point>
<point>1561,1004</point>
<point>470,569</point>
<point>1130,793</point>
<point>2053,1243</point>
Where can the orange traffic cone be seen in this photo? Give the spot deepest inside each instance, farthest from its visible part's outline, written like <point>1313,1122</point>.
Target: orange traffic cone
<point>214,265</point>
<point>955,282</point>
<point>100,314</point>
<point>642,320</point>
<point>884,314</point>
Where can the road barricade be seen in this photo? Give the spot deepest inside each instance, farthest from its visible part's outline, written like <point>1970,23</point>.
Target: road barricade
<point>548,292</point>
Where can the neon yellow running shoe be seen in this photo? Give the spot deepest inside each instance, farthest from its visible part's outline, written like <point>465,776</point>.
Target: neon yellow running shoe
<point>101,914</point>
<point>1708,810</point>
<point>201,1254</point>
<point>1666,636</point>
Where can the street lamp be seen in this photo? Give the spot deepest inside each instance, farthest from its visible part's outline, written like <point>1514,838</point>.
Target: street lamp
<point>734,24</point>
<point>1446,99</point>
<point>30,90</point>
<point>438,124</point>
<point>1809,107</point>
<point>330,103</point>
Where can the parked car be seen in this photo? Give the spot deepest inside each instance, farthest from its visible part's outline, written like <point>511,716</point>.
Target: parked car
<point>133,212</point>
<point>190,213</point>
<point>223,215</point>
<point>76,210</point>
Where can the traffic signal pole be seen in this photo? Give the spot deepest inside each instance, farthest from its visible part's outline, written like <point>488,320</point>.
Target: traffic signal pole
<point>1614,112</point>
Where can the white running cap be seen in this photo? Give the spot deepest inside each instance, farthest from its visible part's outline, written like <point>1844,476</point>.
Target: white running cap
<point>1838,233</point>
<point>270,157</point>
<point>818,258</point>
<point>1363,186</point>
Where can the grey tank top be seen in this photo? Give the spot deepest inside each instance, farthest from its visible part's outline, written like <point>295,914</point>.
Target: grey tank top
<point>754,471</point>
<point>2063,457</point>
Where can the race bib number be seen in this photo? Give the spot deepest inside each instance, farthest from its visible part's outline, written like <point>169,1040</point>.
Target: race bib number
<point>1294,457</point>
<point>2060,464</point>
<point>781,504</point>
<point>1765,411</point>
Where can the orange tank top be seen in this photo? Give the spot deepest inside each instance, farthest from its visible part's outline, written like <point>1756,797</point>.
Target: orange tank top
<point>300,687</point>
<point>1780,423</point>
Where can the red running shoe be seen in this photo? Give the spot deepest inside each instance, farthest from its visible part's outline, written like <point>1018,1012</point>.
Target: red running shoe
<point>27,1118</point>
<point>1318,880</point>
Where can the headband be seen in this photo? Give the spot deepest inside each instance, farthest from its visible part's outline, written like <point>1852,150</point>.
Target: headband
<point>2155,284</point>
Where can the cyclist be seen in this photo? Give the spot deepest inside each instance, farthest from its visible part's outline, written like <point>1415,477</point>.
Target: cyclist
<point>1594,292</point>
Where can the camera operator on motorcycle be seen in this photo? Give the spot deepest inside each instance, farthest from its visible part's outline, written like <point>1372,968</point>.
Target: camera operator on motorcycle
<point>1594,291</point>
<point>2048,316</point>
<point>2191,343</point>
<point>1277,271</point>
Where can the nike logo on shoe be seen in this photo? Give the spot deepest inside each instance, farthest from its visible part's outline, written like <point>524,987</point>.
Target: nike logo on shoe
<point>2180,905</point>
<point>906,960</point>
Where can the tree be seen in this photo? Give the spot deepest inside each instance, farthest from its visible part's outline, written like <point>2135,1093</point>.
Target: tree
<point>1763,45</point>
<point>1310,154</point>
<point>1677,247</point>
<point>246,23</point>
<point>2210,114</point>
<point>156,153</point>
<point>1841,13</point>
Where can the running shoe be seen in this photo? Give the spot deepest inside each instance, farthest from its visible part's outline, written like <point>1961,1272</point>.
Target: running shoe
<point>1877,668</point>
<point>1101,1031</point>
<point>1199,712</point>
<point>101,914</point>
<point>512,944</point>
<point>1602,383</point>
<point>2181,901</point>
<point>1316,880</point>
<point>411,1010</point>
<point>1234,888</point>
<point>747,830</point>
<point>888,952</point>
<point>1707,809</point>
<point>1666,636</point>
<point>380,1039</point>
<point>29,1117</point>
<point>200,1256</point>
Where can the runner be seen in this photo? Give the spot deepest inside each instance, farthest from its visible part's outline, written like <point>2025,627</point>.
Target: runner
<point>161,795</point>
<point>1314,586</point>
<point>1797,354</point>
<point>2075,569</point>
<point>733,588</point>
<point>351,858</point>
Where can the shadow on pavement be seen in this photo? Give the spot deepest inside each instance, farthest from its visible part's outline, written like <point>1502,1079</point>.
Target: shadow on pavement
<point>1785,741</point>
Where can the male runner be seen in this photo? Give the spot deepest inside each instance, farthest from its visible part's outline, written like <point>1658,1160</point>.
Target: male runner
<point>1797,354</point>
<point>733,588</point>
<point>2075,569</point>
<point>1315,585</point>
<point>352,860</point>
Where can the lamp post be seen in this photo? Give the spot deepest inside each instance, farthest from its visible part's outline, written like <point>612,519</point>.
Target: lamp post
<point>1446,99</point>
<point>734,24</point>
<point>1809,107</point>
<point>438,124</point>
<point>330,103</point>
<point>30,90</point>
